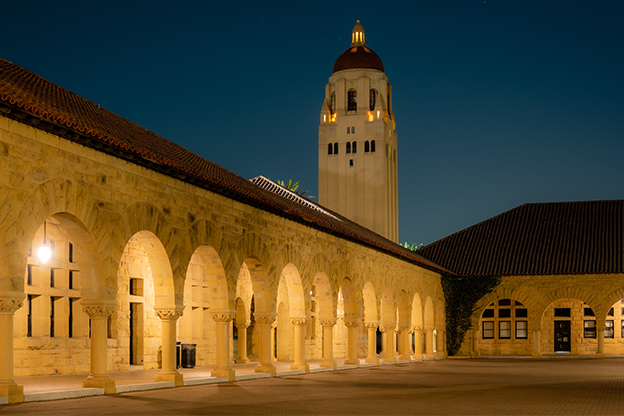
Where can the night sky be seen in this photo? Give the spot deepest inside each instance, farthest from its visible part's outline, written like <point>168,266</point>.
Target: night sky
<point>498,103</point>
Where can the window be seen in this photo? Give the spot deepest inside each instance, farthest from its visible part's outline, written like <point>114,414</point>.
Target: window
<point>610,313</point>
<point>352,100</point>
<point>352,129</point>
<point>71,253</point>
<point>329,149</point>
<point>366,147</point>
<point>348,148</point>
<point>332,103</point>
<point>348,130</point>
<point>562,312</point>
<point>354,147</point>
<point>372,146</point>
<point>588,312</point>
<point>70,319</point>
<point>335,148</point>
<point>351,162</point>
<point>52,317</point>
<point>30,316</point>
<point>372,99</point>
<point>52,277</point>
<point>521,313</point>
<point>504,313</point>
<point>71,279</point>
<point>521,329</point>
<point>504,330</point>
<point>608,329</point>
<point>589,329</point>
<point>488,313</point>
<point>622,323</point>
<point>488,329</point>
<point>29,277</point>
<point>504,302</point>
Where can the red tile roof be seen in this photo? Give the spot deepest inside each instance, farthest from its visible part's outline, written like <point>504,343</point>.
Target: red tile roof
<point>538,239</point>
<point>30,99</point>
<point>358,57</point>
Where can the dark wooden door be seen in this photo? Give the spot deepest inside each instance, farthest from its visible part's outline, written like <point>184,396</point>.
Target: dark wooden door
<point>562,336</point>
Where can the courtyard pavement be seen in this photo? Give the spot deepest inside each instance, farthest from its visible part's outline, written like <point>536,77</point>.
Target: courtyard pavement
<point>447,387</point>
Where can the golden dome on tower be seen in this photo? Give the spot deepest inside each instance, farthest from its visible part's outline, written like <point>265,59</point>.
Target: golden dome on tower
<point>358,55</point>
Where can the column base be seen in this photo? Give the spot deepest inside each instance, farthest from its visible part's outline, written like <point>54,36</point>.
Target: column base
<point>242,360</point>
<point>601,355</point>
<point>329,363</point>
<point>372,360</point>
<point>301,366</point>
<point>418,357</point>
<point>355,362</point>
<point>106,383</point>
<point>405,357</point>
<point>14,393</point>
<point>176,377</point>
<point>224,372</point>
<point>264,368</point>
<point>537,355</point>
<point>390,359</point>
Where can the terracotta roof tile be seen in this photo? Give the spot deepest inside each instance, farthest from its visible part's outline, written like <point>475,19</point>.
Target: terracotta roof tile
<point>538,239</point>
<point>23,92</point>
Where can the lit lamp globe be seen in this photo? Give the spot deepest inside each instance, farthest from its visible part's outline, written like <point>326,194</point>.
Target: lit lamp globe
<point>44,254</point>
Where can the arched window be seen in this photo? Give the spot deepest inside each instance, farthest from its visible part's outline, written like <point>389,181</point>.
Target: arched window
<point>332,103</point>
<point>373,99</point>
<point>372,146</point>
<point>354,147</point>
<point>335,148</point>
<point>348,148</point>
<point>329,149</point>
<point>352,100</point>
<point>366,147</point>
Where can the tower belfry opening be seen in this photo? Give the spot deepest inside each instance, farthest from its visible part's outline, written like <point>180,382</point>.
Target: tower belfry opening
<point>358,108</point>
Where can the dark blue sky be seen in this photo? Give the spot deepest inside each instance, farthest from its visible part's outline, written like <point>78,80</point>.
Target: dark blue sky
<point>498,103</point>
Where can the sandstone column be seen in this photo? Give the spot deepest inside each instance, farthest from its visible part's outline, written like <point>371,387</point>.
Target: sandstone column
<point>266,366</point>
<point>168,371</point>
<point>8,386</point>
<point>384,341</point>
<point>418,355</point>
<point>242,342</point>
<point>429,343</point>
<point>600,330</point>
<point>352,325</point>
<point>299,363</point>
<point>328,343</point>
<point>537,352</point>
<point>372,343</point>
<point>406,348</point>
<point>390,336</point>
<point>223,369</point>
<point>99,313</point>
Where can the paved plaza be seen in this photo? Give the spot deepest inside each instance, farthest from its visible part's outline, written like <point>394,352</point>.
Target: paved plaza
<point>448,387</point>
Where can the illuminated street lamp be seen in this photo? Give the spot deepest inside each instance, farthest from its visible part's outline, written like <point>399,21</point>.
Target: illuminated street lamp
<point>44,253</point>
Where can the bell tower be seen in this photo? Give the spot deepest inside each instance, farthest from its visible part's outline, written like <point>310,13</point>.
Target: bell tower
<point>358,142</point>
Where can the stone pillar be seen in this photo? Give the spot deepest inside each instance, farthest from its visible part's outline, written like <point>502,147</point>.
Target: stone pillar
<point>223,369</point>
<point>418,355</point>
<point>299,363</point>
<point>406,348</point>
<point>537,347</point>
<point>328,343</point>
<point>440,344</point>
<point>600,330</point>
<point>390,337</point>
<point>99,313</point>
<point>372,343</point>
<point>352,325</point>
<point>266,366</point>
<point>168,371</point>
<point>242,342</point>
<point>8,386</point>
<point>429,343</point>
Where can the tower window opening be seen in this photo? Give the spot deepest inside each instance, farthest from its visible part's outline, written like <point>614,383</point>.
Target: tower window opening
<point>350,162</point>
<point>348,130</point>
<point>335,148</point>
<point>329,149</point>
<point>366,146</point>
<point>348,148</point>
<point>372,146</point>
<point>354,147</point>
<point>378,112</point>
<point>352,100</point>
<point>353,130</point>
<point>372,99</point>
<point>332,103</point>
<point>324,118</point>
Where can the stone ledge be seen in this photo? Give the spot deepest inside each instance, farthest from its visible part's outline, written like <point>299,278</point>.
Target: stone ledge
<point>200,381</point>
<point>252,376</point>
<point>320,369</point>
<point>63,394</point>
<point>290,373</point>
<point>145,386</point>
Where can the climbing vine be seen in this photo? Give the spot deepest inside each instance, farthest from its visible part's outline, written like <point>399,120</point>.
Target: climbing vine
<point>461,295</point>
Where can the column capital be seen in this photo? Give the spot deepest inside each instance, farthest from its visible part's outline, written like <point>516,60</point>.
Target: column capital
<point>327,322</point>
<point>98,309</point>
<point>223,316</point>
<point>600,329</point>
<point>299,320</point>
<point>264,318</point>
<point>10,305</point>
<point>168,314</point>
<point>537,329</point>
<point>429,328</point>
<point>351,323</point>
<point>387,327</point>
<point>417,328</point>
<point>371,325</point>
<point>404,328</point>
<point>242,324</point>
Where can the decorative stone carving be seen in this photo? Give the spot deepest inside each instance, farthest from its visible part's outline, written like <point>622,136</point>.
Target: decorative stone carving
<point>10,305</point>
<point>98,311</point>
<point>168,314</point>
<point>417,328</point>
<point>299,321</point>
<point>222,316</point>
<point>264,318</point>
<point>371,325</point>
<point>242,324</point>
<point>351,323</point>
<point>403,328</point>
<point>537,329</point>
<point>328,322</point>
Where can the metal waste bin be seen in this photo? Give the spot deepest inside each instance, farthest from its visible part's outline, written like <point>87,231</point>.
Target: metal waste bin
<point>178,354</point>
<point>187,355</point>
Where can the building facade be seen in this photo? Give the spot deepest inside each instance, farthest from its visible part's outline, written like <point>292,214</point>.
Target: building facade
<point>358,142</point>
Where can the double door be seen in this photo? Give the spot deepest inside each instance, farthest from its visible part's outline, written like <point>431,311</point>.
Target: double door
<point>562,336</point>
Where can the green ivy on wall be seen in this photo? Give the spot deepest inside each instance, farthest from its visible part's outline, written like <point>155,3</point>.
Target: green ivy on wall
<point>461,295</point>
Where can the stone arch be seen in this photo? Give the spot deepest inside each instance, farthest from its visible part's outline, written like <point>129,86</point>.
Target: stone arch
<point>403,310</point>
<point>388,311</point>
<point>370,303</point>
<point>608,301</point>
<point>260,284</point>
<point>417,311</point>
<point>324,296</point>
<point>291,278</point>
<point>561,293</point>
<point>349,300</point>
<point>215,274</point>
<point>428,321</point>
<point>499,293</point>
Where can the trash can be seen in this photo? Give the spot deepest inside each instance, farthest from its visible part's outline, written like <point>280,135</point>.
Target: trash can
<point>187,356</point>
<point>178,354</point>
